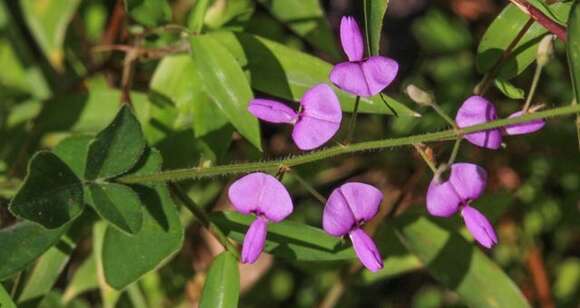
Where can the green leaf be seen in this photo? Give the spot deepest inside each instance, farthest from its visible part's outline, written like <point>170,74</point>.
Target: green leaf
<point>226,84</point>
<point>459,265</point>
<point>116,148</point>
<point>150,13</point>
<point>232,15</point>
<point>287,239</point>
<point>198,15</point>
<point>374,13</point>
<point>109,296</point>
<point>73,151</point>
<point>502,32</point>
<point>48,20</point>
<point>287,73</point>
<point>508,89</point>
<point>22,243</point>
<point>119,205</point>
<point>51,195</point>
<point>222,286</point>
<point>84,279</point>
<point>5,300</point>
<point>126,258</point>
<point>573,49</point>
<point>306,19</point>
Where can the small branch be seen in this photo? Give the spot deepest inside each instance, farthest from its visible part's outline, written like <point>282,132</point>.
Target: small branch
<point>309,187</point>
<point>127,77</point>
<point>201,215</point>
<point>352,123</point>
<point>451,134</point>
<point>420,148</point>
<point>540,277</point>
<point>532,91</point>
<point>542,19</point>
<point>454,152</point>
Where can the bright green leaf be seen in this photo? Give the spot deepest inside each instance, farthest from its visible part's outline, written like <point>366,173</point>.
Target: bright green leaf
<point>226,84</point>
<point>573,49</point>
<point>508,89</point>
<point>459,265</point>
<point>109,296</point>
<point>197,16</point>
<point>126,258</point>
<point>287,239</point>
<point>306,19</point>
<point>48,20</point>
<point>502,32</point>
<point>119,205</point>
<point>374,13</point>
<point>84,279</point>
<point>22,243</point>
<point>116,148</point>
<point>51,195</point>
<point>222,286</point>
<point>227,14</point>
<point>150,13</point>
<point>5,300</point>
<point>287,73</point>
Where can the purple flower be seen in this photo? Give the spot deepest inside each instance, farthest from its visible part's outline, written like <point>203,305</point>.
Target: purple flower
<point>347,209</point>
<point>466,183</point>
<point>264,196</point>
<point>359,76</point>
<point>316,123</point>
<point>478,110</point>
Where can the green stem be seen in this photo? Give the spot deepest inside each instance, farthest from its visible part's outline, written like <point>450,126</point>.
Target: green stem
<point>425,158</point>
<point>456,147</point>
<point>272,166</point>
<point>444,115</point>
<point>309,187</point>
<point>352,124</point>
<point>532,92</point>
<point>201,215</point>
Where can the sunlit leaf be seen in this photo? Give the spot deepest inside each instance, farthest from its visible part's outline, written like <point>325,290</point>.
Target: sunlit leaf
<point>150,13</point>
<point>222,285</point>
<point>508,89</point>
<point>374,13</point>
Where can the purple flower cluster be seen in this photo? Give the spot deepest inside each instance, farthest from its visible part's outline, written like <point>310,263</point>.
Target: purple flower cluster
<point>351,205</point>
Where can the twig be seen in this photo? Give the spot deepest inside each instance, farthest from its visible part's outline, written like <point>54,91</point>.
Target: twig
<point>540,277</point>
<point>542,19</point>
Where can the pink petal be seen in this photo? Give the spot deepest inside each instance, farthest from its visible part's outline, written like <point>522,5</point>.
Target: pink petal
<point>468,180</point>
<point>349,77</point>
<point>366,250</point>
<point>442,199</point>
<point>523,128</point>
<point>271,111</point>
<point>261,194</point>
<point>478,110</point>
<point>310,133</point>
<point>379,72</point>
<point>349,205</point>
<point>479,227</point>
<point>254,240</point>
<point>351,38</point>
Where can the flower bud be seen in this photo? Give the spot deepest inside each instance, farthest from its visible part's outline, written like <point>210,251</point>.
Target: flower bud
<point>419,96</point>
<point>545,49</point>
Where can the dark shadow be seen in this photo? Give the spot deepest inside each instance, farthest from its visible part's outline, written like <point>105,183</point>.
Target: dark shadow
<point>152,204</point>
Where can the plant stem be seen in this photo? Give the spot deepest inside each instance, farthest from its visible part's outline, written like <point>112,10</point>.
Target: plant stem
<point>542,19</point>
<point>444,115</point>
<point>425,158</point>
<point>309,187</point>
<point>352,124</point>
<point>532,92</point>
<point>456,147</point>
<point>201,215</point>
<point>446,135</point>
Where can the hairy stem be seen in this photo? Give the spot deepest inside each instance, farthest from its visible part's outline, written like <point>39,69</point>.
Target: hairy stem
<point>201,215</point>
<point>446,135</point>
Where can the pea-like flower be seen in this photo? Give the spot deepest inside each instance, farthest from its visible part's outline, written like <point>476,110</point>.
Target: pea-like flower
<point>317,122</point>
<point>264,196</point>
<point>347,209</point>
<point>361,76</point>
<point>465,184</point>
<point>478,110</point>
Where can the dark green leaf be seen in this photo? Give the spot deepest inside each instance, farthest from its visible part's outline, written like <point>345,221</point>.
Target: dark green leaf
<point>116,148</point>
<point>51,195</point>
<point>287,239</point>
<point>306,19</point>
<point>508,89</point>
<point>226,84</point>
<point>222,286</point>
<point>573,49</point>
<point>459,265</point>
<point>118,205</point>
<point>150,13</point>
<point>502,32</point>
<point>287,73</point>
<point>5,300</point>
<point>73,151</point>
<point>48,20</point>
<point>374,13</point>
<point>126,258</point>
<point>23,243</point>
